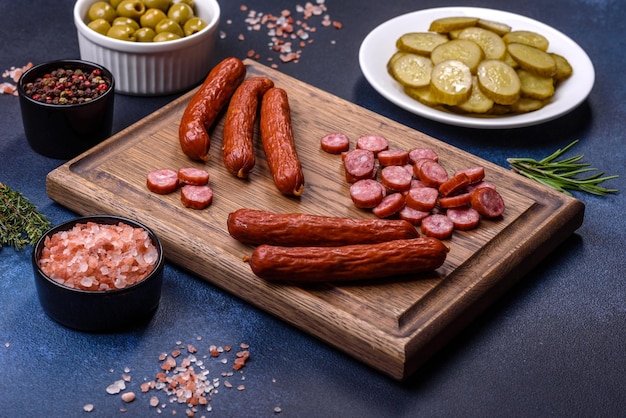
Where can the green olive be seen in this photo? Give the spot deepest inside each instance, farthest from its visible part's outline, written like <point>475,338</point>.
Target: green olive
<point>193,25</point>
<point>189,2</point>
<point>131,8</point>
<point>122,32</point>
<point>168,25</point>
<point>126,21</point>
<point>151,17</point>
<point>166,36</point>
<point>100,25</point>
<point>158,4</point>
<point>115,3</point>
<point>180,13</point>
<point>101,9</point>
<point>145,35</point>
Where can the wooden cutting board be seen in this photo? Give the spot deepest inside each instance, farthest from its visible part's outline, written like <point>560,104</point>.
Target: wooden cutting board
<point>393,325</point>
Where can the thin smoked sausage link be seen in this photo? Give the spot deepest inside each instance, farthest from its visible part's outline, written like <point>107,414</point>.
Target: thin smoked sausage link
<point>254,227</point>
<point>349,262</point>
<point>238,135</point>
<point>278,142</point>
<point>206,104</point>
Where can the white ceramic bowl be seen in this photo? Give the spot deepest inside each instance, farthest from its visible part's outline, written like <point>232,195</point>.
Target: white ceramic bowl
<point>151,68</point>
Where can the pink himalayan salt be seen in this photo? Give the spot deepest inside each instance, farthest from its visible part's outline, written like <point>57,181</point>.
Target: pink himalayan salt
<point>100,257</point>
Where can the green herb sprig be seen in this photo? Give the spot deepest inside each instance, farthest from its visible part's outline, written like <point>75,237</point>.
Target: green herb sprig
<point>20,222</point>
<point>561,174</point>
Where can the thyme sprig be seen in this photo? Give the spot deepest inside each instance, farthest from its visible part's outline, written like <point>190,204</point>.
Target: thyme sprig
<point>21,223</point>
<point>561,174</point>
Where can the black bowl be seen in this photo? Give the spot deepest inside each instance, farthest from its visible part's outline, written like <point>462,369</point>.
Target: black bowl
<point>99,311</point>
<point>65,130</point>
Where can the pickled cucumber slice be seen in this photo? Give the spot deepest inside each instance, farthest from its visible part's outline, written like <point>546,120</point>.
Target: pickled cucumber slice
<point>526,104</point>
<point>447,24</point>
<point>396,55</point>
<point>563,68</point>
<point>534,86</point>
<point>464,50</point>
<point>478,102</point>
<point>411,69</point>
<point>423,95</point>
<point>527,38</point>
<point>509,60</point>
<point>420,42</point>
<point>451,82</point>
<point>490,42</point>
<point>497,27</point>
<point>533,59</point>
<point>499,81</point>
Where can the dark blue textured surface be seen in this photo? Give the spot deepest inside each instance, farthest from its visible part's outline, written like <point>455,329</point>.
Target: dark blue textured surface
<point>555,345</point>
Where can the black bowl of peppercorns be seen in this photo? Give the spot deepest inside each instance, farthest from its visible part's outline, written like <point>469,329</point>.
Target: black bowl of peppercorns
<point>67,106</point>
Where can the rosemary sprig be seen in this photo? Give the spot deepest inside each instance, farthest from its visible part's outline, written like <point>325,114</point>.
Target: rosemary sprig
<point>561,174</point>
<point>20,222</point>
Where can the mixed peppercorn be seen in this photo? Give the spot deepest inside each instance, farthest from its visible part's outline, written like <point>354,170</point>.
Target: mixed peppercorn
<point>67,86</point>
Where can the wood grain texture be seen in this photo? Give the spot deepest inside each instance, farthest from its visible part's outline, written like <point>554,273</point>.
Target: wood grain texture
<point>393,325</point>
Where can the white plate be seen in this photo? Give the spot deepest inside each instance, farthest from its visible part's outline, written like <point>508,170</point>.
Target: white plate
<point>379,45</point>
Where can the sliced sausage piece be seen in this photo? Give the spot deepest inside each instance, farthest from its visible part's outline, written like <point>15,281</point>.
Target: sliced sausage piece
<point>463,219</point>
<point>390,205</point>
<point>475,174</point>
<point>422,198</point>
<point>411,215</point>
<point>374,143</point>
<point>162,181</point>
<point>196,197</point>
<point>454,184</point>
<point>393,157</point>
<point>194,176</point>
<point>416,184</point>
<point>359,164</point>
<point>367,193</point>
<point>396,178</point>
<point>455,201</point>
<point>419,153</point>
<point>488,202</point>
<point>432,174</point>
<point>483,183</point>
<point>437,226</point>
<point>335,143</point>
<point>417,166</point>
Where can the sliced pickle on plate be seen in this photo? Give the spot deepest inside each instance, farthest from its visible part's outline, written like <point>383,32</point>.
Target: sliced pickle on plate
<point>411,69</point>
<point>499,81</point>
<point>533,59</point>
<point>534,86</point>
<point>421,43</point>
<point>448,24</point>
<point>466,51</point>
<point>528,38</point>
<point>490,42</point>
<point>451,82</point>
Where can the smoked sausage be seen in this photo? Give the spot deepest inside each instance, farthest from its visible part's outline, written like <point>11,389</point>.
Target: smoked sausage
<point>251,226</point>
<point>238,135</point>
<point>349,262</point>
<point>206,104</point>
<point>278,142</point>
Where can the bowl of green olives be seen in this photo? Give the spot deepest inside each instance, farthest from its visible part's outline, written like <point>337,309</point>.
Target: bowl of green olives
<point>152,47</point>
